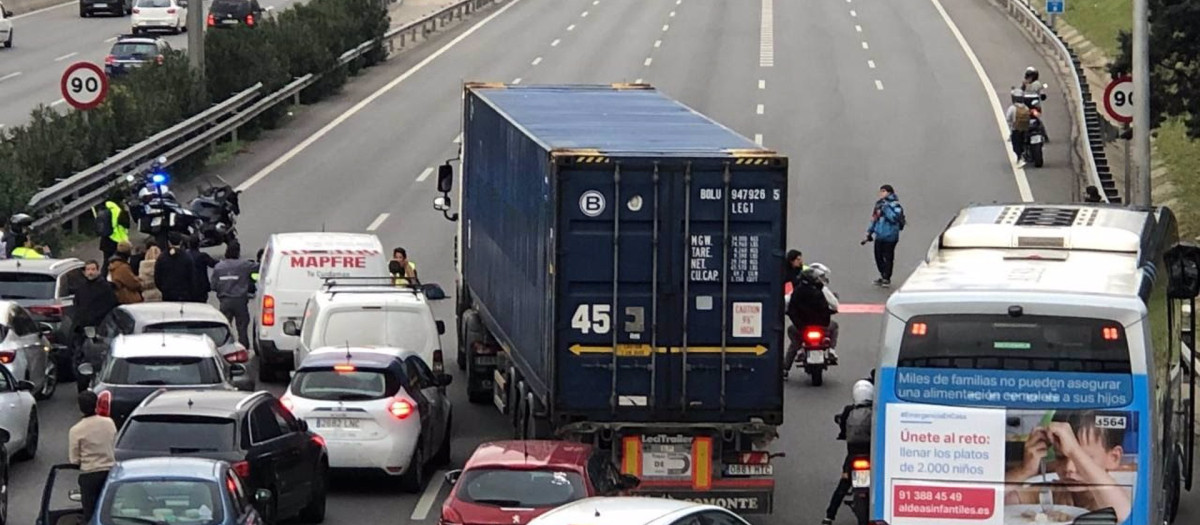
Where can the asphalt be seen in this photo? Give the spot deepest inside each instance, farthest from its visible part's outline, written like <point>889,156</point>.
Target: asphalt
<point>919,119</point>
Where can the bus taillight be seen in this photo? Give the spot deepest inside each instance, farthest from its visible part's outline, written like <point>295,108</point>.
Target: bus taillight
<point>920,329</point>
<point>1111,333</point>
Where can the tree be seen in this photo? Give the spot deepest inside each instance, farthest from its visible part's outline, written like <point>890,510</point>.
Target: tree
<point>1174,62</point>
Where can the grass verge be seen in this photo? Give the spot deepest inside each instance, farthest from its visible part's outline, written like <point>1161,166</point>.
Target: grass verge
<point>1100,21</point>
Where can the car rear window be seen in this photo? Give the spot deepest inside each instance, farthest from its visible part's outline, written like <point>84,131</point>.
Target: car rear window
<point>162,371</point>
<point>183,502</point>
<point>520,488</point>
<point>153,3</point>
<point>328,384</point>
<point>178,434</point>
<point>20,285</point>
<point>236,7</point>
<point>135,49</point>
<point>218,332</point>
<point>398,328</point>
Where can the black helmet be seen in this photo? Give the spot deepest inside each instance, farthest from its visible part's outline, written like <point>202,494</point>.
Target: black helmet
<point>20,223</point>
<point>1031,73</point>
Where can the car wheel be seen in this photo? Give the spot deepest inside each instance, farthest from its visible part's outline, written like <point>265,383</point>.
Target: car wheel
<point>315,511</point>
<point>8,43</point>
<point>413,479</point>
<point>443,454</point>
<point>50,383</point>
<point>31,438</point>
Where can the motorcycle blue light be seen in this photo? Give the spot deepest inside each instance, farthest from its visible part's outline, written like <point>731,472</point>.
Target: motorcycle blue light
<point>158,178</point>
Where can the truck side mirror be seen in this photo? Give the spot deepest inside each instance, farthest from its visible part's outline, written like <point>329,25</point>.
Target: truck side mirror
<point>441,203</point>
<point>445,179</point>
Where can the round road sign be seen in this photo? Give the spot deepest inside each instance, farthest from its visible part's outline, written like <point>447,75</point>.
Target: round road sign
<point>84,85</point>
<point>1118,99</point>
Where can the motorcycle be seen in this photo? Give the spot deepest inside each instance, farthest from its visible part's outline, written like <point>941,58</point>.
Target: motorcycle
<point>814,355</point>
<point>1035,137</point>
<point>210,216</point>
<point>858,499</point>
<point>216,208</point>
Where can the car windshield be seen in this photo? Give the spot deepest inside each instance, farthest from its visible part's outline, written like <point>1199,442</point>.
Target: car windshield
<point>177,434</point>
<point>18,285</point>
<point>190,502</point>
<point>405,329</point>
<point>327,384</point>
<point>134,49</point>
<point>520,488</point>
<point>218,332</point>
<point>154,3</point>
<point>162,371</point>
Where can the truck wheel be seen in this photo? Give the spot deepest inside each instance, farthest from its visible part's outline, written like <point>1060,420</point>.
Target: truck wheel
<point>472,332</point>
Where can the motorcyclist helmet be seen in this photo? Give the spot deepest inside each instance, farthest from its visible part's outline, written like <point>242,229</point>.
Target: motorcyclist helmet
<point>810,275</point>
<point>1018,96</point>
<point>862,392</point>
<point>820,271</point>
<point>20,223</point>
<point>1031,74</point>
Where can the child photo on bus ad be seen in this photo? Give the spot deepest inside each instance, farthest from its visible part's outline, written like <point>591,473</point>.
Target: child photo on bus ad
<point>1084,460</point>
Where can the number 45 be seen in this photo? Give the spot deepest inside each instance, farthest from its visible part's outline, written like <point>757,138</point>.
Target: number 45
<point>592,318</point>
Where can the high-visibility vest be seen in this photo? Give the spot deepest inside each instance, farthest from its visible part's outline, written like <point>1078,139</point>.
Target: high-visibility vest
<point>119,233</point>
<point>403,281</point>
<point>27,253</point>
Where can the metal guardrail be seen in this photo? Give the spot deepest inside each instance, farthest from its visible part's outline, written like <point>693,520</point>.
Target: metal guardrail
<point>74,196</point>
<point>1088,133</point>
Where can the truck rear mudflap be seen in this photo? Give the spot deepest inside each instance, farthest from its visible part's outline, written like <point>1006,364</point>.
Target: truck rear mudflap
<point>694,468</point>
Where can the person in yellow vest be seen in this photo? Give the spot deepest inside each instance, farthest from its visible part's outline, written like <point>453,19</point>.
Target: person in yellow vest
<point>30,251</point>
<point>402,269</point>
<point>112,225</point>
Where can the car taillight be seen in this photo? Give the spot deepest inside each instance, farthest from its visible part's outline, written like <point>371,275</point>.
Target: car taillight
<point>401,408</point>
<point>211,21</point>
<point>861,464</point>
<point>240,356</point>
<point>268,309</point>
<point>54,310</point>
<point>110,60</point>
<point>159,59</point>
<point>104,404</point>
<point>450,516</point>
<point>8,356</point>
<point>250,19</point>
<point>170,11</point>
<point>813,335</point>
<point>316,438</point>
<point>242,468</point>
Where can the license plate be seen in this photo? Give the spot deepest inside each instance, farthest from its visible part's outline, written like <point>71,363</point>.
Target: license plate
<point>1036,139</point>
<point>816,357</point>
<point>485,360</point>
<point>337,423</point>
<point>860,479</point>
<point>229,22</point>
<point>738,469</point>
<point>99,5</point>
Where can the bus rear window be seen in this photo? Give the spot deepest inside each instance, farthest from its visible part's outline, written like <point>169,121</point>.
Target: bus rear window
<point>1001,342</point>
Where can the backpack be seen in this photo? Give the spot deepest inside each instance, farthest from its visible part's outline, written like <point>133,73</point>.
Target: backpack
<point>1021,118</point>
<point>901,219</point>
<point>858,425</point>
<point>104,226</point>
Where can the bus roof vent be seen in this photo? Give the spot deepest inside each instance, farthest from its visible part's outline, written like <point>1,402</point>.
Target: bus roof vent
<point>1046,227</point>
<point>1039,216</point>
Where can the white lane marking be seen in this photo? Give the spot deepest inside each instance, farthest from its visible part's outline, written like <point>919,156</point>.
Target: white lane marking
<point>666,27</point>
<point>758,138</point>
<point>878,85</point>
<point>425,174</point>
<point>367,101</point>
<point>672,15</point>
<point>571,27</point>
<point>853,13</point>
<point>638,81</point>
<point>66,56</point>
<point>57,102</point>
<point>647,61</point>
<point>865,46</point>
<point>14,74</point>
<point>762,84</point>
<point>658,43</point>
<point>760,109</point>
<point>596,2</point>
<point>375,224</point>
<point>537,61</point>
<point>458,139</point>
<point>871,64</point>
<point>44,9</point>
<point>858,28</point>
<point>766,37</point>
<point>517,81</point>
<point>677,2</point>
<point>421,511</point>
<point>1001,122</point>
<point>555,42</point>
<point>584,14</point>
<point>110,40</point>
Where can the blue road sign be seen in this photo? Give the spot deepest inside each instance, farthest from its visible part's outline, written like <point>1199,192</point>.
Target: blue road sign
<point>1056,6</point>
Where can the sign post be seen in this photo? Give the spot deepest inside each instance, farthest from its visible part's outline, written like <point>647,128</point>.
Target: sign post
<point>1118,104</point>
<point>1055,8</point>
<point>84,86</point>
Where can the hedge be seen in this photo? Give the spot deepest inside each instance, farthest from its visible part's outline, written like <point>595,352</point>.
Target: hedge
<point>306,38</point>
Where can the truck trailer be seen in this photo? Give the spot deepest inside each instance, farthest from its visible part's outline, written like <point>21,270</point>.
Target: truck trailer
<point>620,258</point>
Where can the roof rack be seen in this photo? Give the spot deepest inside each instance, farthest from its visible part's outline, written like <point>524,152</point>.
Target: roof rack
<point>383,284</point>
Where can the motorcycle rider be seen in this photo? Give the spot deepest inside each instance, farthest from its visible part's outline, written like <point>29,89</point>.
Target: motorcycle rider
<point>823,273</point>
<point>807,307</point>
<point>854,427</point>
<point>1030,84</point>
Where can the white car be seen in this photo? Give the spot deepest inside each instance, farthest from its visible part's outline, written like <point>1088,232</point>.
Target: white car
<point>6,26</point>
<point>637,511</point>
<point>19,417</point>
<point>376,408</point>
<point>24,350</point>
<point>170,15</point>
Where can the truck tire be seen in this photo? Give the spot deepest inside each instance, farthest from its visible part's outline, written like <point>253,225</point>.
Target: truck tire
<point>472,331</point>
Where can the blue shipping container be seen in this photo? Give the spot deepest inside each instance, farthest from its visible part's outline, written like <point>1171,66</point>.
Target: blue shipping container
<point>690,292</point>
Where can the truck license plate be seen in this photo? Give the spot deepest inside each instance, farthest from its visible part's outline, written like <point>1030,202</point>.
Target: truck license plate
<point>326,422</point>
<point>860,479</point>
<point>485,360</point>
<point>738,469</point>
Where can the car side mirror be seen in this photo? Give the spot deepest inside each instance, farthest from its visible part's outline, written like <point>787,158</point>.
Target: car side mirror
<point>452,476</point>
<point>1183,271</point>
<point>441,327</point>
<point>8,14</point>
<point>262,496</point>
<point>89,332</point>
<point>303,425</point>
<point>433,291</point>
<point>26,386</point>
<point>86,369</point>
<point>182,3</point>
<point>445,379</point>
<point>445,180</point>
<point>290,328</point>
<point>4,436</point>
<point>629,482</point>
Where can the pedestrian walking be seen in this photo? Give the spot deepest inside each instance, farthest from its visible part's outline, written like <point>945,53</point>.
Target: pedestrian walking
<point>174,272</point>
<point>232,280</point>
<point>120,273</point>
<point>90,444</point>
<point>887,220</point>
<point>150,292</point>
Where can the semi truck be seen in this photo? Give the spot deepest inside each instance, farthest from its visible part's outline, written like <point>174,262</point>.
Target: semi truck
<point>619,260</point>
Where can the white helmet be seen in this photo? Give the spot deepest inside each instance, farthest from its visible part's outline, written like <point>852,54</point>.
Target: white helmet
<point>863,392</point>
<point>820,271</point>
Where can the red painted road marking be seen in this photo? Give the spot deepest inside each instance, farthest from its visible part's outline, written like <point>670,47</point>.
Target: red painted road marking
<point>860,308</point>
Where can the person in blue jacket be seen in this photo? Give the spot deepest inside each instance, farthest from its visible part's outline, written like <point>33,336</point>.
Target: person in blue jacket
<point>887,219</point>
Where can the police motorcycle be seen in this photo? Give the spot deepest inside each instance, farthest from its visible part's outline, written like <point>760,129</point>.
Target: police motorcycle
<point>210,217</point>
<point>1036,136</point>
<point>217,207</point>
<point>816,342</point>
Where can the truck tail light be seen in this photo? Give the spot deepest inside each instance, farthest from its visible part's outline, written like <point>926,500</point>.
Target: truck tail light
<point>159,59</point>
<point>137,11</point>
<point>268,310</point>
<point>104,404</point>
<point>401,408</point>
<point>439,362</point>
<point>8,356</point>
<point>755,458</point>
<point>171,11</point>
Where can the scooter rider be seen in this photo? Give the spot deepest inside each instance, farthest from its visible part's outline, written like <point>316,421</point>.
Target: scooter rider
<point>822,273</point>
<point>807,307</point>
<point>854,427</point>
<point>1030,84</point>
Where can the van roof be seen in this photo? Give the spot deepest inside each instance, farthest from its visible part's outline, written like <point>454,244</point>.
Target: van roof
<point>327,242</point>
<point>163,345</point>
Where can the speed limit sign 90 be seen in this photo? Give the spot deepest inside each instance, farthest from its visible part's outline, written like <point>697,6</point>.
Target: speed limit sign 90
<point>1118,99</point>
<point>84,85</point>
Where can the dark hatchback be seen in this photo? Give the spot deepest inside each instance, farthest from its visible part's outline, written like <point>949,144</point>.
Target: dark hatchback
<point>130,52</point>
<point>235,13</point>
<point>266,445</point>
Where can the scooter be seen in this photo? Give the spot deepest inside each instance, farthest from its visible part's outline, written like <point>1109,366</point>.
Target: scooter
<point>1035,137</point>
<point>858,499</point>
<point>814,355</point>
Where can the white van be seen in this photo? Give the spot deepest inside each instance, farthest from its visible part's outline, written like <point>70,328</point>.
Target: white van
<point>294,265</point>
<point>374,314</point>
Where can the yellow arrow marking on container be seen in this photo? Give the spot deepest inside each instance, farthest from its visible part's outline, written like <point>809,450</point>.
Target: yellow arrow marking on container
<point>643,350</point>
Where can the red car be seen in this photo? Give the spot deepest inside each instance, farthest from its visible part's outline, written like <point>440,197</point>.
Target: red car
<point>512,482</point>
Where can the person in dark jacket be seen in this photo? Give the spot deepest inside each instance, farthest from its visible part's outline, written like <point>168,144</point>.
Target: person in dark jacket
<point>886,222</point>
<point>94,299</point>
<point>232,281</point>
<point>863,397</point>
<point>174,272</point>
<point>795,265</point>
<point>202,261</point>
<point>807,307</point>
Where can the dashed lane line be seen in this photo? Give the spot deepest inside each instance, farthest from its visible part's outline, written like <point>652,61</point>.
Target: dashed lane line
<point>425,174</point>
<point>66,56</point>
<point>375,224</point>
<point>766,42</point>
<point>879,84</point>
<point>425,504</point>
<point>537,61</point>
<point>14,74</point>
<point>871,64</point>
